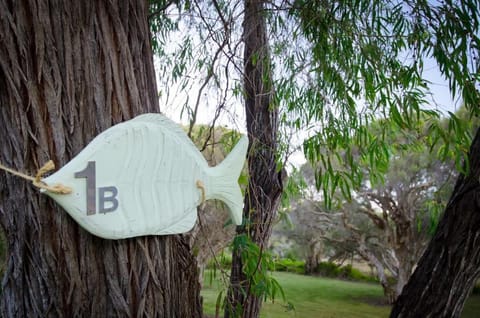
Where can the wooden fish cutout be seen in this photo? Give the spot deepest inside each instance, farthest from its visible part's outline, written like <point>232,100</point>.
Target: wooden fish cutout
<point>146,177</point>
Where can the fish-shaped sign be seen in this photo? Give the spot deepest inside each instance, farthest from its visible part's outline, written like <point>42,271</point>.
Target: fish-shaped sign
<point>146,177</point>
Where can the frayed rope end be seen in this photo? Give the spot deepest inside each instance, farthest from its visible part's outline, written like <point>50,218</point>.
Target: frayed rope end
<point>37,180</point>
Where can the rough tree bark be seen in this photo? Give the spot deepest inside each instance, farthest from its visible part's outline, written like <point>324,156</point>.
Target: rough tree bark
<point>265,182</point>
<point>69,70</point>
<point>447,271</point>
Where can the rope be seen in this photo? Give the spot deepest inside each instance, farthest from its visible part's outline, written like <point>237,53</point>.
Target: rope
<point>201,186</point>
<point>37,180</point>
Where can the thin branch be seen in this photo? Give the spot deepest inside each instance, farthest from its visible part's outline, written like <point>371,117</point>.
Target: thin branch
<point>160,10</point>
<point>210,74</point>
<point>220,14</point>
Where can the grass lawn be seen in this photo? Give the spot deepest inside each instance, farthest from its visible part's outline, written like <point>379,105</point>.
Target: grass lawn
<point>324,298</point>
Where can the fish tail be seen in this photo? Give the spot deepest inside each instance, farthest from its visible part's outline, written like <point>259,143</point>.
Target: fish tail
<point>224,180</point>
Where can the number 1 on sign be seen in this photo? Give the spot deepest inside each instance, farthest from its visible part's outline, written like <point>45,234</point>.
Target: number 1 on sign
<point>89,173</point>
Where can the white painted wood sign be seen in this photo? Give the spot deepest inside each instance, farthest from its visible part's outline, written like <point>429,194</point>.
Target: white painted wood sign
<point>146,177</point>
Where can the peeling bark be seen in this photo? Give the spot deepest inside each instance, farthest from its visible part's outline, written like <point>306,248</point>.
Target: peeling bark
<point>68,71</point>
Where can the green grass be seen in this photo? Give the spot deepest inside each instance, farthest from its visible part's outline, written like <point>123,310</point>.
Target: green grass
<point>314,297</point>
<point>323,298</point>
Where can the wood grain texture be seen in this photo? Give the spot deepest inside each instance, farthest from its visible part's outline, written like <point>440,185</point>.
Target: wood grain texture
<point>69,70</point>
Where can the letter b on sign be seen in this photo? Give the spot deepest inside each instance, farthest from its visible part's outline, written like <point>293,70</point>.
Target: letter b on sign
<point>107,195</point>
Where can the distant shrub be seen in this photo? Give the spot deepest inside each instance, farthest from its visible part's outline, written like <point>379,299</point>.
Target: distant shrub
<point>291,254</point>
<point>329,269</point>
<point>292,265</point>
<point>345,271</point>
<point>288,265</point>
<point>224,261</point>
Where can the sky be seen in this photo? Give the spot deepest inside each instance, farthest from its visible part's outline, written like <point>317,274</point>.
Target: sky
<point>441,96</point>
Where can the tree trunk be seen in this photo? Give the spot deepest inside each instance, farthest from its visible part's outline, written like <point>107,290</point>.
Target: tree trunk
<point>447,271</point>
<point>313,256</point>
<point>69,70</point>
<point>265,182</point>
<point>373,260</point>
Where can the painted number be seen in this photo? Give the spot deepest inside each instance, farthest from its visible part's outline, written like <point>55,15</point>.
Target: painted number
<point>107,195</point>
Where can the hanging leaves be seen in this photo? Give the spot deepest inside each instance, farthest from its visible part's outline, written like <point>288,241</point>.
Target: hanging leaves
<point>365,63</point>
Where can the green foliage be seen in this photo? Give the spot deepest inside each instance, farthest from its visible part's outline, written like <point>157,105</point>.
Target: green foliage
<point>223,261</point>
<point>214,139</point>
<point>161,24</point>
<point>434,208</point>
<point>366,62</point>
<point>349,63</point>
<point>294,187</point>
<point>454,137</point>
<point>256,264</point>
<point>288,265</point>
<point>257,267</point>
<point>329,269</point>
<point>356,275</point>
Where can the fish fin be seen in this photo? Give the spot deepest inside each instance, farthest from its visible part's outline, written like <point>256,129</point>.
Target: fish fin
<point>224,180</point>
<point>171,126</point>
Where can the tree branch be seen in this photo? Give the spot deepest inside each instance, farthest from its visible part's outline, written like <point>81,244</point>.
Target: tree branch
<point>160,10</point>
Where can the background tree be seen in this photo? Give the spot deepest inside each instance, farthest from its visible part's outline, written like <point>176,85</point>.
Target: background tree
<point>227,74</point>
<point>388,224</point>
<point>380,35</point>
<point>409,201</point>
<point>450,266</point>
<point>69,70</point>
<point>338,66</point>
<point>265,180</point>
<point>306,228</point>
